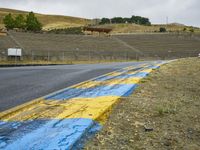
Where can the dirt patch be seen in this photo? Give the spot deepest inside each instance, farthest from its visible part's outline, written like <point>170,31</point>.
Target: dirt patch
<point>163,113</point>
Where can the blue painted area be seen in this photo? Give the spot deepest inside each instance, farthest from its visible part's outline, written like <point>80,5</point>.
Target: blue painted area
<point>114,90</point>
<point>155,67</point>
<point>46,134</point>
<point>139,75</point>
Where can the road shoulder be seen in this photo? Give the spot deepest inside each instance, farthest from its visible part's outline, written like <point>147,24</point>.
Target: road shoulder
<point>163,113</point>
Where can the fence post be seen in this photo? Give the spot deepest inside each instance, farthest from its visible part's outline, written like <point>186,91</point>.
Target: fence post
<point>63,56</point>
<point>89,55</point>
<point>32,55</point>
<point>48,57</point>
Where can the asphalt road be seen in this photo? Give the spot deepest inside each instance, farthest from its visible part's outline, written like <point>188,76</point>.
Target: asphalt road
<point>22,84</point>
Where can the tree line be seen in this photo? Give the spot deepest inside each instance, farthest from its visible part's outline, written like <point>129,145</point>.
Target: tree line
<point>134,19</point>
<point>29,23</point>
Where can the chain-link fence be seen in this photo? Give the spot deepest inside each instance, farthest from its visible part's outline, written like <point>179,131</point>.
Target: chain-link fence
<point>71,56</point>
<point>93,56</point>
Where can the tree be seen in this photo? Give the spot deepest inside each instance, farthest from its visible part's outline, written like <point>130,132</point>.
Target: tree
<point>32,23</point>
<point>134,19</point>
<point>191,30</point>
<point>9,21</point>
<point>184,29</point>
<point>20,22</point>
<point>117,20</point>
<point>105,21</point>
<point>162,29</point>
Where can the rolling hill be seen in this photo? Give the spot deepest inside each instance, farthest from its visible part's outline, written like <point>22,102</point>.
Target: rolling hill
<point>135,28</point>
<point>48,21</point>
<point>59,22</point>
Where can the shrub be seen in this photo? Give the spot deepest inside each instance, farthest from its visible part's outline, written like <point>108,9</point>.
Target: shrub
<point>72,30</point>
<point>191,30</point>
<point>162,29</point>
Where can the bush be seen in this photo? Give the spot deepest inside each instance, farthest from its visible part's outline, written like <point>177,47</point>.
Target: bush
<point>184,29</point>
<point>191,30</point>
<point>162,29</point>
<point>72,30</point>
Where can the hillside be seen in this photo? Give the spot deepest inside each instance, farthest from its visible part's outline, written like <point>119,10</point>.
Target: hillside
<point>132,28</point>
<point>48,21</point>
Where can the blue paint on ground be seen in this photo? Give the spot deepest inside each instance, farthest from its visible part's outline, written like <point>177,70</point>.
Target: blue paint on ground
<point>137,75</point>
<point>48,134</point>
<point>114,90</point>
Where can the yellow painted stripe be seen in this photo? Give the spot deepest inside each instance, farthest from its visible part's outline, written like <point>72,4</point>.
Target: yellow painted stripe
<point>147,70</point>
<point>89,108</point>
<point>133,80</point>
<point>132,72</point>
<point>89,84</point>
<point>115,74</point>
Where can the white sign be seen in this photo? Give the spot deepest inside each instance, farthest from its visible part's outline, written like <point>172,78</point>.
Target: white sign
<point>14,52</point>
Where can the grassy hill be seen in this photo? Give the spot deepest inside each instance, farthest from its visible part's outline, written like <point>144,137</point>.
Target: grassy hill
<point>132,28</point>
<point>48,21</point>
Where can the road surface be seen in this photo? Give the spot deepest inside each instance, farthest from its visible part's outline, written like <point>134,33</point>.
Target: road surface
<point>22,84</point>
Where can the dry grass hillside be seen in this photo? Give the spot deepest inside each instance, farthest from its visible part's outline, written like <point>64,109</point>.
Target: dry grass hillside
<point>57,22</point>
<point>48,21</point>
<point>132,28</point>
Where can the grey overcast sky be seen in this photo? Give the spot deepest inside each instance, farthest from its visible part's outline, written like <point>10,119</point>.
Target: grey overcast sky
<point>180,11</point>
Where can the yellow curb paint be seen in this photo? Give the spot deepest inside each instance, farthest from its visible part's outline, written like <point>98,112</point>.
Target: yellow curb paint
<point>147,70</point>
<point>122,81</point>
<point>19,108</point>
<point>115,74</point>
<point>88,108</point>
<point>91,84</point>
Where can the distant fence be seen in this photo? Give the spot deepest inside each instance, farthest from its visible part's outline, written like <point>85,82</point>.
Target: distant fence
<point>97,56</point>
<point>71,56</point>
